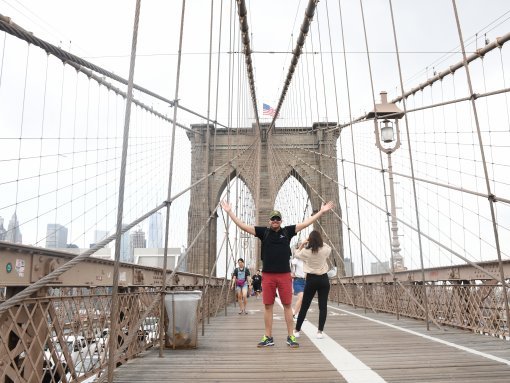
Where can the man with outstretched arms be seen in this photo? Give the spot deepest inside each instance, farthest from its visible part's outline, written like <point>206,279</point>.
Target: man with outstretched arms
<point>275,253</point>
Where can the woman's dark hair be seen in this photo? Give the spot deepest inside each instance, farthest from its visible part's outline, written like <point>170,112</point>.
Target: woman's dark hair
<point>315,241</point>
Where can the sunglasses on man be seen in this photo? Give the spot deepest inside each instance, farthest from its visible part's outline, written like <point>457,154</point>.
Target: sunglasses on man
<point>276,219</point>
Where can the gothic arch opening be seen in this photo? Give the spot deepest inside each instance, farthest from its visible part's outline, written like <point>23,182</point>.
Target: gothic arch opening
<point>240,244</point>
<point>293,201</point>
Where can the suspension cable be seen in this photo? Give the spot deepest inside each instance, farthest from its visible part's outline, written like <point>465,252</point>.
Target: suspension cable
<point>120,209</point>
<point>340,136</point>
<point>10,27</point>
<point>411,163</point>
<point>305,26</point>
<point>243,24</point>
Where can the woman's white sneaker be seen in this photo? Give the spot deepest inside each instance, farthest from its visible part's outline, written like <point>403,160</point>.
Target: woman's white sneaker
<point>296,333</point>
<point>320,335</point>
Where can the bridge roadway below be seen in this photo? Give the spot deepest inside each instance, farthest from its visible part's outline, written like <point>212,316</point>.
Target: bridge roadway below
<point>359,347</point>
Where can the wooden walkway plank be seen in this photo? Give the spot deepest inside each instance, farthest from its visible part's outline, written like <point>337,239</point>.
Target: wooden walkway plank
<point>400,356</point>
<point>228,353</point>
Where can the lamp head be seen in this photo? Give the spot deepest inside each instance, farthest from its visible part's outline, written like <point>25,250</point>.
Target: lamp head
<point>387,131</point>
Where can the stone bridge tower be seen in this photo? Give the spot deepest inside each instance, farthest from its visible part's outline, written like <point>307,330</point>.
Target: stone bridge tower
<point>265,185</point>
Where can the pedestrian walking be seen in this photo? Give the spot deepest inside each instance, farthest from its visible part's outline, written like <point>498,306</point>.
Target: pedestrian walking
<point>256,282</point>
<point>241,282</point>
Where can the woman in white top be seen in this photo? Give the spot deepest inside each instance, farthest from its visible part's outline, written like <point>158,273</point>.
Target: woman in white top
<point>298,282</point>
<point>314,253</point>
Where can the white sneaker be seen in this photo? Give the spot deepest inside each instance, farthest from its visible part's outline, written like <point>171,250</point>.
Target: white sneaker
<point>296,333</point>
<point>320,335</point>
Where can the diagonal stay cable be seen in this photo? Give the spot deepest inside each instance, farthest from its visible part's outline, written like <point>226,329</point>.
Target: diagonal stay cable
<point>460,256</point>
<point>109,86</point>
<point>7,25</point>
<point>408,293</point>
<point>28,291</point>
<point>277,154</point>
<point>480,53</point>
<point>132,336</point>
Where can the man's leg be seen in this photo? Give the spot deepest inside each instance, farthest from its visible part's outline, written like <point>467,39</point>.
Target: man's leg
<point>269,284</point>
<point>285,292</point>
<point>287,310</point>
<point>268,320</point>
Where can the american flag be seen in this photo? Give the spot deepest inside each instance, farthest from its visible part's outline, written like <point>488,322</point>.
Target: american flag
<point>268,111</point>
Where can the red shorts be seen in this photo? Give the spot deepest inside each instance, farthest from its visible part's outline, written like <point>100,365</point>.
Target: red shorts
<point>273,281</point>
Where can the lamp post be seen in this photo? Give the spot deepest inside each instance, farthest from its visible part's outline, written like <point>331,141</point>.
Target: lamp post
<point>386,116</point>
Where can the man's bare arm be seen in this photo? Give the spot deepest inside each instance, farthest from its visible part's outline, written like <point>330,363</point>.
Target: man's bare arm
<point>243,226</point>
<point>307,222</point>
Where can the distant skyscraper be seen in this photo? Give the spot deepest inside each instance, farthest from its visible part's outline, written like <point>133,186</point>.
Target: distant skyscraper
<point>3,232</point>
<point>124,247</point>
<point>13,232</point>
<point>56,236</point>
<point>155,231</point>
<point>137,241</point>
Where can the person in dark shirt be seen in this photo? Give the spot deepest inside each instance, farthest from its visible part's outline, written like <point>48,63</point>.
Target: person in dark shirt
<point>256,282</point>
<point>276,267</point>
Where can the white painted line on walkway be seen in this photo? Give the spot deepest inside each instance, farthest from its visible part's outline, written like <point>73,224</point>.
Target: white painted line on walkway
<point>463,348</point>
<point>351,368</point>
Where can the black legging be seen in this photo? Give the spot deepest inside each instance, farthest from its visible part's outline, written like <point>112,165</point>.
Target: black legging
<point>315,283</point>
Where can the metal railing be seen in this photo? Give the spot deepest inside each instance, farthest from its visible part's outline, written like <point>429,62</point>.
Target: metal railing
<point>63,333</point>
<point>473,304</point>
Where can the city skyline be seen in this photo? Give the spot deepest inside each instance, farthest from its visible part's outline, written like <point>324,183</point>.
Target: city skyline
<point>13,233</point>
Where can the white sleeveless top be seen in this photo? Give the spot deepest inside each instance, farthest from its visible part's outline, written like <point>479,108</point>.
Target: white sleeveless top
<point>297,267</point>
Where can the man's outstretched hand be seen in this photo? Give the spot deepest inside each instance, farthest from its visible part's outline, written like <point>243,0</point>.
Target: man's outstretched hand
<point>226,206</point>
<point>327,206</point>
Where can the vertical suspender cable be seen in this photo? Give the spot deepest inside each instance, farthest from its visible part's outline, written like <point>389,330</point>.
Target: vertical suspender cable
<point>215,130</point>
<point>170,178</point>
<point>229,124</point>
<point>120,209</point>
<point>375,126</point>
<point>205,263</point>
<point>492,198</point>
<point>404,105</point>
<point>352,136</point>
<point>340,138</point>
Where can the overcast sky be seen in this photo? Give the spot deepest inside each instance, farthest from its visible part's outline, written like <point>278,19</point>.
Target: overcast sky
<point>101,32</point>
